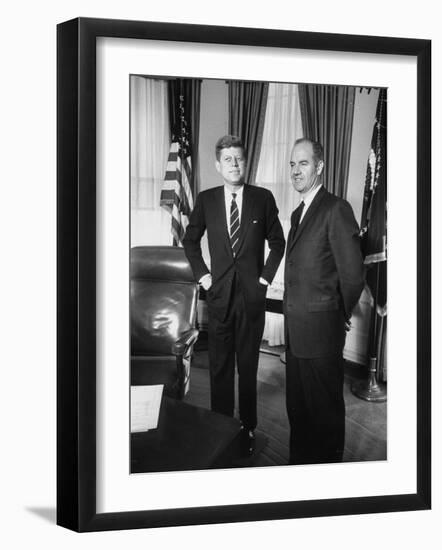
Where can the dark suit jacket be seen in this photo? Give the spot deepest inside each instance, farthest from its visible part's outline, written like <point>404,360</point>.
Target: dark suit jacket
<point>324,277</point>
<point>259,222</point>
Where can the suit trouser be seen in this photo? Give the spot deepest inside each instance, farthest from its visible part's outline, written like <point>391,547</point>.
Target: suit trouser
<point>237,335</point>
<point>315,408</point>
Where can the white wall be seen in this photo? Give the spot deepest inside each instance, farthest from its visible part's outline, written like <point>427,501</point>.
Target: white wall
<point>213,125</point>
<point>27,228</point>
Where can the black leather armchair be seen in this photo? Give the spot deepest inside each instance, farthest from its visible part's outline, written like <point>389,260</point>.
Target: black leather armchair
<point>164,296</point>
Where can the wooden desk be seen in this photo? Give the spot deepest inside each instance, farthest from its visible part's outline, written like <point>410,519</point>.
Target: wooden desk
<point>187,438</point>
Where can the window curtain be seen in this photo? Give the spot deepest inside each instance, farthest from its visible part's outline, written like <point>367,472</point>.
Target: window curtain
<point>247,106</point>
<point>149,149</point>
<point>283,125</point>
<point>327,117</point>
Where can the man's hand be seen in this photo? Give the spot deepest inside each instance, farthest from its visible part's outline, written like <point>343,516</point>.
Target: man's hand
<point>347,325</point>
<point>206,281</point>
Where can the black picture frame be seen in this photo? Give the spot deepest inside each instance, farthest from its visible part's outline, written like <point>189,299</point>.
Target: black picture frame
<point>76,274</point>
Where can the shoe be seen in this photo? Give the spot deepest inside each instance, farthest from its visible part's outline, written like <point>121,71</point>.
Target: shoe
<point>247,442</point>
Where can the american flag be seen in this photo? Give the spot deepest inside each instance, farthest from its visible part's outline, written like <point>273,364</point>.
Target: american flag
<point>176,195</point>
<point>374,211</point>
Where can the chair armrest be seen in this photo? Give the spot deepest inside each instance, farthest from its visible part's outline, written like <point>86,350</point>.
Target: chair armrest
<point>185,340</point>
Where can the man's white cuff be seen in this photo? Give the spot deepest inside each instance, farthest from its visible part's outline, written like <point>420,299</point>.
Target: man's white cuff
<point>206,277</point>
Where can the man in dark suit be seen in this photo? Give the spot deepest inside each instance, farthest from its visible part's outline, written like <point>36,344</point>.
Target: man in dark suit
<point>324,277</point>
<point>238,218</point>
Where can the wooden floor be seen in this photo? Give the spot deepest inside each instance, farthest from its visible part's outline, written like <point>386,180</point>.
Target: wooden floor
<point>366,422</point>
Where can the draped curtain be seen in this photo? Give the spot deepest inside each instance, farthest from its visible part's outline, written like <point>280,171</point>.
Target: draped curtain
<point>283,125</point>
<point>247,107</point>
<point>150,142</point>
<point>327,117</point>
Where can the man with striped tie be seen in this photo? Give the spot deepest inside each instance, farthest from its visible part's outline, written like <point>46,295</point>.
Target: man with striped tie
<point>238,218</point>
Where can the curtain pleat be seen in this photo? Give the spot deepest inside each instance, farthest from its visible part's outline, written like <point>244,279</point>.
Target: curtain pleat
<point>327,117</point>
<point>247,107</point>
<point>282,127</point>
<point>149,140</point>
<point>150,143</point>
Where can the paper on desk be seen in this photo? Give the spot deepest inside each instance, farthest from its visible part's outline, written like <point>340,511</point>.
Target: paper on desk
<point>145,407</point>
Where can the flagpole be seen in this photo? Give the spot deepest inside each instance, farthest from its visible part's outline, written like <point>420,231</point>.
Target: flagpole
<point>370,389</point>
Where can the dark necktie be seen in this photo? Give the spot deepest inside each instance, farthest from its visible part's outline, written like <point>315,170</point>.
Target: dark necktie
<point>296,217</point>
<point>234,224</point>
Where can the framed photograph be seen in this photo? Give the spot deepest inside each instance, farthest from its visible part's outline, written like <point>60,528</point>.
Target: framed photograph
<point>130,91</point>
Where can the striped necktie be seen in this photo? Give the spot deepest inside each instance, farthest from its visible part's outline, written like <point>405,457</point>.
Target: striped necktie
<point>234,225</point>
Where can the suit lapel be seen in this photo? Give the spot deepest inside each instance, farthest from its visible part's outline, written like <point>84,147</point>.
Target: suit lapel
<point>220,212</point>
<point>246,214</point>
<point>308,216</point>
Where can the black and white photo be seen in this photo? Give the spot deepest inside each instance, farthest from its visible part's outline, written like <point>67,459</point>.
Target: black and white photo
<point>219,172</point>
